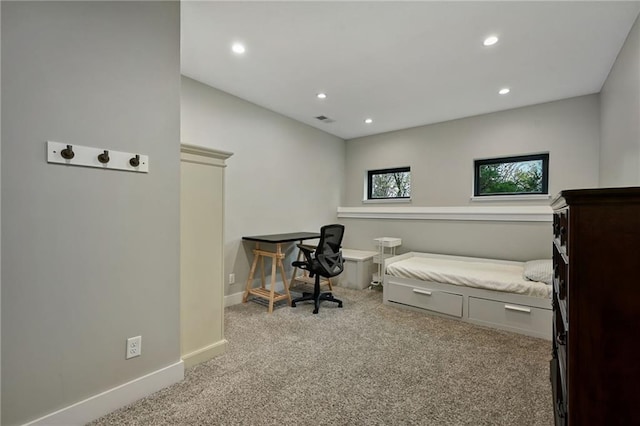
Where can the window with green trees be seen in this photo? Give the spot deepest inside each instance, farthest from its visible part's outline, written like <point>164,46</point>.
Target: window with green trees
<point>526,174</point>
<point>389,183</point>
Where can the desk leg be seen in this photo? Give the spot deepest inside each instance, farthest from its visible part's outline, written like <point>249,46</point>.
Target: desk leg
<point>262,282</point>
<point>295,268</point>
<point>250,279</point>
<point>272,293</point>
<point>280,256</point>
<point>276,263</point>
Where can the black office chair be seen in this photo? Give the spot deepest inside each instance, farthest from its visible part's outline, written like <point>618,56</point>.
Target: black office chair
<point>325,261</point>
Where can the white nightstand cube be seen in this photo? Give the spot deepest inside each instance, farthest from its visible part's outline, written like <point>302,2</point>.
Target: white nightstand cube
<point>358,269</point>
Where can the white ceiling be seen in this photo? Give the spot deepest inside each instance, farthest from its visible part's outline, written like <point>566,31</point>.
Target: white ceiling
<point>404,64</point>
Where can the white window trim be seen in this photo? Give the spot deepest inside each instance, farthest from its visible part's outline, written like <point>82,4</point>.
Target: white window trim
<point>518,197</point>
<point>515,197</point>
<point>365,190</point>
<point>387,200</point>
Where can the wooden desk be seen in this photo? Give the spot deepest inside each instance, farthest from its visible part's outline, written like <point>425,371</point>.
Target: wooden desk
<point>276,262</point>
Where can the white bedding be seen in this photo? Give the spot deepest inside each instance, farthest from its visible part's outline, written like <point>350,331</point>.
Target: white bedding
<point>486,275</point>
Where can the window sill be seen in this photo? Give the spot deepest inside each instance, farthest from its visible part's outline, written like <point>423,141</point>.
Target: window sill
<point>458,213</point>
<point>511,197</point>
<point>387,200</point>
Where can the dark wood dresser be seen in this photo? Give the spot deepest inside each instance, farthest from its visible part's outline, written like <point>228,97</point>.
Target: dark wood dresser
<point>595,369</point>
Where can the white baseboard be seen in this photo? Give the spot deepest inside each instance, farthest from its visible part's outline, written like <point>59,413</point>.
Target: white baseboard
<point>233,299</point>
<point>205,354</point>
<point>103,403</point>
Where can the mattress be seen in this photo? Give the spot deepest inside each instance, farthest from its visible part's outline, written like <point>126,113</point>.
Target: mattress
<point>505,277</point>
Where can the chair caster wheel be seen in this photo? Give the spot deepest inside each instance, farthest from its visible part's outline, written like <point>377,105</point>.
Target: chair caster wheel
<point>293,305</point>
<point>315,311</point>
<point>339,305</point>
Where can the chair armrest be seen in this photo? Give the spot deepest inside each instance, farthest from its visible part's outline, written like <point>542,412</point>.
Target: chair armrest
<point>307,251</point>
<point>300,264</point>
<point>306,247</point>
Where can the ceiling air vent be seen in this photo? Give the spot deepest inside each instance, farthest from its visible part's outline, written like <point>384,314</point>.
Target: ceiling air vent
<point>325,119</point>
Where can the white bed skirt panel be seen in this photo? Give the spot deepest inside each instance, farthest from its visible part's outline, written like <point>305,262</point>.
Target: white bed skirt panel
<point>528,311</point>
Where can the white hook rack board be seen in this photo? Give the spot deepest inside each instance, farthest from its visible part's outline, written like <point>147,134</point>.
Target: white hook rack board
<point>87,156</point>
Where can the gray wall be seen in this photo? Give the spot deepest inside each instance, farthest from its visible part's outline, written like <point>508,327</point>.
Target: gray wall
<point>89,257</point>
<point>494,240</point>
<point>441,155</point>
<point>441,159</point>
<point>284,176</point>
<point>620,117</point>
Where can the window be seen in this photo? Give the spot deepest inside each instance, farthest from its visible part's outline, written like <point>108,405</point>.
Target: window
<point>526,174</point>
<point>388,184</point>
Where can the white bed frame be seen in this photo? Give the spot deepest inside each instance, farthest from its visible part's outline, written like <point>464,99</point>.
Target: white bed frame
<point>506,311</point>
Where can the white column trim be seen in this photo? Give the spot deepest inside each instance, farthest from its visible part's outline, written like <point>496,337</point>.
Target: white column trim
<point>204,354</point>
<point>462,213</point>
<point>202,155</point>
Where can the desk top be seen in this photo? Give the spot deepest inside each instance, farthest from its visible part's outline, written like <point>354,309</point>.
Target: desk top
<point>283,238</point>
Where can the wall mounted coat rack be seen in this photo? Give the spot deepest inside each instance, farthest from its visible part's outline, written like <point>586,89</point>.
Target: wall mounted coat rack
<point>85,156</point>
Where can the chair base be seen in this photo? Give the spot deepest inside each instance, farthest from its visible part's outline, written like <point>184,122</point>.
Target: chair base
<point>317,297</point>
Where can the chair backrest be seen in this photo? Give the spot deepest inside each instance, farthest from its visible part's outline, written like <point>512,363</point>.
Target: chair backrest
<point>328,252</point>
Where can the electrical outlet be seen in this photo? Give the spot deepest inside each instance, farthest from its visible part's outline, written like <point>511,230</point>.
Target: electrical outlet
<point>134,347</point>
<point>232,278</point>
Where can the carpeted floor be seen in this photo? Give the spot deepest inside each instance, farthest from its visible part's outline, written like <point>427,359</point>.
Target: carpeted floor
<point>364,364</point>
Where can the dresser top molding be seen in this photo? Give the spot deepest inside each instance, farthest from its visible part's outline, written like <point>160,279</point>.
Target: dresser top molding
<point>597,195</point>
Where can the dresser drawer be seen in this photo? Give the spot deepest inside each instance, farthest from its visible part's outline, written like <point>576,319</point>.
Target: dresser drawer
<point>518,317</point>
<point>560,346</point>
<point>561,229</point>
<point>559,395</point>
<point>560,274</point>
<point>425,298</point>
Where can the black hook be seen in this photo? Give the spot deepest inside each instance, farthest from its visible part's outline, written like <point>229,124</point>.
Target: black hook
<point>104,157</point>
<point>68,153</point>
<point>135,161</point>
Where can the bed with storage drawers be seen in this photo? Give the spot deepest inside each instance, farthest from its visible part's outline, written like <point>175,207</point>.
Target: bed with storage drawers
<point>513,296</point>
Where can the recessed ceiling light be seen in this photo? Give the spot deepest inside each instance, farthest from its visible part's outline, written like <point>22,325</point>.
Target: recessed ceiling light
<point>368,120</point>
<point>321,95</point>
<point>490,41</point>
<point>238,48</point>
<point>504,91</point>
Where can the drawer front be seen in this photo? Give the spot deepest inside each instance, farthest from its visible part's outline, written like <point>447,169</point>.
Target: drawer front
<point>560,274</point>
<point>425,298</point>
<point>537,320</point>
<point>561,229</point>
<point>559,401</point>
<point>560,350</point>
